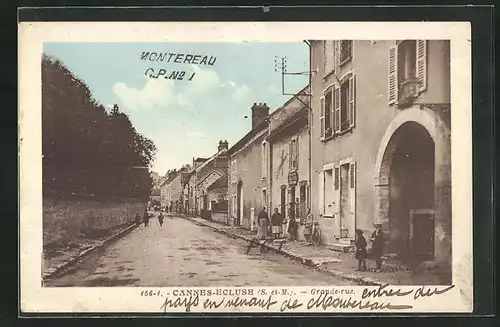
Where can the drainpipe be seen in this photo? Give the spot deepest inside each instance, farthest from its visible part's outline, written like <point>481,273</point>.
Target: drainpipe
<point>309,123</point>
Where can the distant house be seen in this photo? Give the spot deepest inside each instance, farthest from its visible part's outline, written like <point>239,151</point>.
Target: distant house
<point>209,180</point>
<point>171,191</point>
<point>246,194</point>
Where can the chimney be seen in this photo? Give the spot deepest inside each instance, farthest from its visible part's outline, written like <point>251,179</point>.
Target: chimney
<point>223,145</point>
<point>259,113</point>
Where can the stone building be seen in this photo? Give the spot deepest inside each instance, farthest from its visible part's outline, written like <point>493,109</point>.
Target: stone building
<point>246,195</point>
<point>209,190</point>
<point>285,170</point>
<point>381,143</point>
<point>171,191</point>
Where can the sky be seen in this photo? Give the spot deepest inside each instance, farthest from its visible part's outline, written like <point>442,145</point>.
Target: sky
<point>186,119</point>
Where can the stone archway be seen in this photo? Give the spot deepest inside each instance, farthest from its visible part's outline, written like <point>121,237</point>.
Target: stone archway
<point>409,128</point>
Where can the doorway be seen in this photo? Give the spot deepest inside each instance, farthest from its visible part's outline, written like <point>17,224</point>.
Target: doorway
<point>344,201</point>
<point>283,201</point>
<point>422,234</point>
<point>411,192</point>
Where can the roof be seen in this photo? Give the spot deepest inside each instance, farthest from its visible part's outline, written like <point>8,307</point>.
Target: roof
<point>262,125</point>
<point>171,177</point>
<point>220,183</point>
<point>289,126</point>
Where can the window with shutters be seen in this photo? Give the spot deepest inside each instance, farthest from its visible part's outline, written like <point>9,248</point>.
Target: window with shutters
<point>328,113</point>
<point>328,193</point>
<point>345,51</point>
<point>407,71</point>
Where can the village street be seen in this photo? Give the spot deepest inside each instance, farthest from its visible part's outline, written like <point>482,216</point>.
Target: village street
<point>181,253</point>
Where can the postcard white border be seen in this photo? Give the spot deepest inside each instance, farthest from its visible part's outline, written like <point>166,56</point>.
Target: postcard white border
<point>31,36</point>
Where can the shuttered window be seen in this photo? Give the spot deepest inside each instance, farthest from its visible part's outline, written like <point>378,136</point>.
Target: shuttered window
<point>352,101</point>
<point>421,64</point>
<point>336,109</point>
<point>393,75</point>
<point>322,119</point>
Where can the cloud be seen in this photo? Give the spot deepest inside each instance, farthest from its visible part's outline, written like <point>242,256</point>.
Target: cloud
<point>205,81</point>
<point>242,93</point>
<point>156,92</point>
<point>233,84</point>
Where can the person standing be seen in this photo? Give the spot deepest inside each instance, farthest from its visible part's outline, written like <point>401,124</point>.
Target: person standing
<point>361,253</point>
<point>308,226</point>
<point>292,224</point>
<point>145,219</point>
<point>276,221</point>
<point>378,240</point>
<point>263,221</point>
<point>137,219</point>
<point>160,219</point>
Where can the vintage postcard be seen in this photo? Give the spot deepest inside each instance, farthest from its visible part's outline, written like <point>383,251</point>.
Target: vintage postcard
<point>299,167</point>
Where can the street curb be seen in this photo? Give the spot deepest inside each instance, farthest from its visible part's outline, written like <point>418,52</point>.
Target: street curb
<point>305,261</point>
<point>61,269</point>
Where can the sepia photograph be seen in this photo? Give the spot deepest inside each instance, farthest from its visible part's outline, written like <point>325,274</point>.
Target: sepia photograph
<point>230,168</point>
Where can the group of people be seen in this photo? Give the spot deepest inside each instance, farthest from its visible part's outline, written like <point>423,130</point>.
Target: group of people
<point>377,240</point>
<point>145,219</point>
<point>275,224</point>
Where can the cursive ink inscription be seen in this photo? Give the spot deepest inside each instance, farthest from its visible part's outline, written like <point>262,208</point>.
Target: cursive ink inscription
<point>383,290</point>
<point>290,305</point>
<point>325,301</point>
<point>423,292</point>
<point>186,302</point>
<point>252,302</point>
<point>209,304</point>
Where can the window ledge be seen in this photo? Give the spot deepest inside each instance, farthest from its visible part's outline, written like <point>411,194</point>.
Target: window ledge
<point>345,61</point>
<point>327,216</point>
<point>342,133</point>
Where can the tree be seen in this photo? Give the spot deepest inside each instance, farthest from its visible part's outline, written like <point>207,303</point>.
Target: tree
<point>85,149</point>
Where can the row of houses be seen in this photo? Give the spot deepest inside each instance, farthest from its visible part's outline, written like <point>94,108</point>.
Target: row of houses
<point>366,142</point>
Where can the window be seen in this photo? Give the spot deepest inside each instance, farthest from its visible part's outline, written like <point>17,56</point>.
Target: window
<point>264,159</point>
<point>345,51</point>
<point>328,193</point>
<point>338,108</point>
<point>328,113</point>
<point>407,70</point>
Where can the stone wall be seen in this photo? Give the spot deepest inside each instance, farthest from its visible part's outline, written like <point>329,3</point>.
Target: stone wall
<point>67,220</point>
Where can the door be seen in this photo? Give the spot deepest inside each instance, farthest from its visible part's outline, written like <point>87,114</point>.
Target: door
<point>283,201</point>
<point>344,201</point>
<point>422,234</point>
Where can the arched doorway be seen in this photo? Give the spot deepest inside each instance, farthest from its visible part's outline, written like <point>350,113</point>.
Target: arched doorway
<point>410,167</point>
<point>413,186</point>
<point>239,204</point>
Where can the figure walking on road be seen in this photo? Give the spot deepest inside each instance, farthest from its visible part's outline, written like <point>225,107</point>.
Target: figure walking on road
<point>378,240</point>
<point>145,219</point>
<point>263,221</point>
<point>160,219</point>
<point>276,221</point>
<point>137,219</point>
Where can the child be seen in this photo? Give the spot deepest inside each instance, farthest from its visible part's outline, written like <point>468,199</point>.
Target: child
<point>378,240</point>
<point>361,253</point>
<point>160,219</point>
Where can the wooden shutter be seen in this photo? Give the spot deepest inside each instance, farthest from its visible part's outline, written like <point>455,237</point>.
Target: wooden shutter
<point>322,118</point>
<point>336,192</point>
<point>290,154</point>
<point>422,64</point>
<point>336,109</point>
<point>321,192</point>
<point>393,74</point>
<point>352,199</point>
<point>352,101</point>
<point>297,153</point>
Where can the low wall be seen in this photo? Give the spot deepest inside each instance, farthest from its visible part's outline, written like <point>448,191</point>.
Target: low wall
<point>220,217</point>
<point>66,220</point>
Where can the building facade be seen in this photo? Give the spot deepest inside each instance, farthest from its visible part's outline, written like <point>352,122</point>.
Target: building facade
<point>246,195</point>
<point>207,174</point>
<point>285,171</point>
<point>381,143</point>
